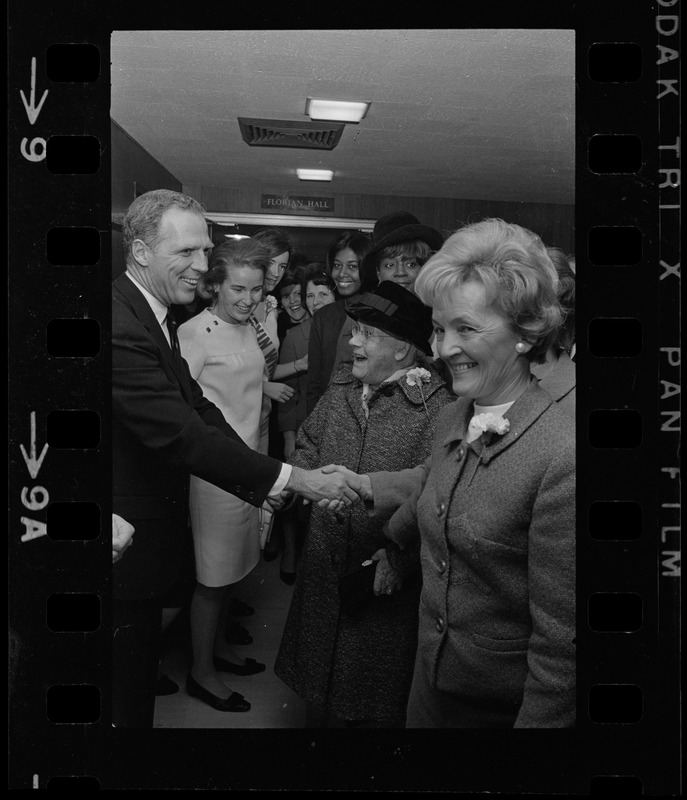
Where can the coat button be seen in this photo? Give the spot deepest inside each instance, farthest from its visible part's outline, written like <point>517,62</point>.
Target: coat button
<point>440,624</point>
<point>441,566</point>
<point>440,509</point>
<point>461,453</point>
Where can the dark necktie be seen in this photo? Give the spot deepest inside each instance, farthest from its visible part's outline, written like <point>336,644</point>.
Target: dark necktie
<point>173,337</point>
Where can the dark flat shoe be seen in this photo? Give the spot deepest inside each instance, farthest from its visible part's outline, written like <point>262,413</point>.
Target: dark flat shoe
<point>249,667</point>
<point>235,701</point>
<point>237,608</point>
<point>288,577</point>
<point>270,555</point>
<point>237,634</point>
<point>165,686</point>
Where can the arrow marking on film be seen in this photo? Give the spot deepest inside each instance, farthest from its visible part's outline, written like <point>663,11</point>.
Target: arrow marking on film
<point>33,110</point>
<point>33,464</point>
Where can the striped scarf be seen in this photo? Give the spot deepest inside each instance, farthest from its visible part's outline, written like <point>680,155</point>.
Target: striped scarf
<point>269,351</point>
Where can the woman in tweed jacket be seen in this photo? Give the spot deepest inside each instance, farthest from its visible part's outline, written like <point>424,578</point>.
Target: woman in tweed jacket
<point>357,669</point>
<point>494,506</point>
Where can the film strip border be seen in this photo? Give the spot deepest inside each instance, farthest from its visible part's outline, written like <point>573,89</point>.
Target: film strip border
<point>628,273</point>
<point>630,552</point>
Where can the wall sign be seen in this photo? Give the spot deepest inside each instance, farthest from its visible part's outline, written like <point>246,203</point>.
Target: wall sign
<point>290,203</point>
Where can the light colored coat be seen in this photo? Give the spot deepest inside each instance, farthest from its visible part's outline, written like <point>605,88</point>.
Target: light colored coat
<point>357,667</point>
<point>497,526</point>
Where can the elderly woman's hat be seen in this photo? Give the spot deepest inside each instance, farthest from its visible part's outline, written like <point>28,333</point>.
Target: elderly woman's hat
<point>396,311</point>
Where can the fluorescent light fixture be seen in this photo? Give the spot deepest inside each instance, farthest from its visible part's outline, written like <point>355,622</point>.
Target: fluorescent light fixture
<point>236,236</point>
<point>315,174</point>
<point>335,110</point>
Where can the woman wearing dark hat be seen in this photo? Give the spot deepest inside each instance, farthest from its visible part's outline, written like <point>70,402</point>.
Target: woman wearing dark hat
<point>379,414</point>
<point>401,246</point>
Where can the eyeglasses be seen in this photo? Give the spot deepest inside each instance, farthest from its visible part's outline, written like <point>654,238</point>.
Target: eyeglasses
<point>356,330</point>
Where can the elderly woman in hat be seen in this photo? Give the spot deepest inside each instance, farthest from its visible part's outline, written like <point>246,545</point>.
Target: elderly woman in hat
<point>356,667</point>
<point>402,244</point>
<point>494,506</point>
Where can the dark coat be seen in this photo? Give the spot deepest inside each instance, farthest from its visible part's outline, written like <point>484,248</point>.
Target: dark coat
<point>497,525</point>
<point>324,337</point>
<point>163,429</point>
<point>357,667</point>
<point>291,414</point>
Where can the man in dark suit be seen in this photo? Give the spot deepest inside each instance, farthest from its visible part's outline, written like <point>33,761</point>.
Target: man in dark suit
<point>163,430</point>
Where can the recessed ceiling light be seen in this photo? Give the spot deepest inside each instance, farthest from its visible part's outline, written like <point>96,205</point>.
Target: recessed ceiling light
<point>315,174</point>
<point>335,110</point>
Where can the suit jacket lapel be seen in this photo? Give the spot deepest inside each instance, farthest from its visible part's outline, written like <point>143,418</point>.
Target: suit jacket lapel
<point>524,412</point>
<point>135,300</point>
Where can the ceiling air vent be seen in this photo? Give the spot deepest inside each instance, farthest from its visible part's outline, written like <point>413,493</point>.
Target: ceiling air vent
<point>281,133</point>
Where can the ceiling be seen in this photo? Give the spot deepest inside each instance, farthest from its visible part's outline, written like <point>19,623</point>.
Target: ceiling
<point>465,114</point>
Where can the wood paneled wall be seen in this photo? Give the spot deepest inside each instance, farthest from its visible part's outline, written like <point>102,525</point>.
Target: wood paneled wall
<point>554,223</point>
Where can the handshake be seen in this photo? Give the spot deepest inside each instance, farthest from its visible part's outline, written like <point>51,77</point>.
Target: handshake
<point>332,487</point>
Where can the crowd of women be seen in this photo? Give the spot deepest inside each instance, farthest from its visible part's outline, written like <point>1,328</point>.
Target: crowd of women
<point>439,377</point>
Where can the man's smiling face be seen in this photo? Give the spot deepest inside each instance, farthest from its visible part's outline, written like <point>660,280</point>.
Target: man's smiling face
<point>172,267</point>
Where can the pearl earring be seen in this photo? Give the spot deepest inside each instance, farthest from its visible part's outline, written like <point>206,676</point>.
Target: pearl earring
<point>519,347</point>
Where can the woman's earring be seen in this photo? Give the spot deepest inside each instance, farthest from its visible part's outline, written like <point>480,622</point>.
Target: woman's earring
<point>520,347</point>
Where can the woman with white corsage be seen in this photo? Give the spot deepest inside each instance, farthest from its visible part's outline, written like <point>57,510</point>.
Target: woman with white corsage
<point>494,506</point>
<point>352,662</point>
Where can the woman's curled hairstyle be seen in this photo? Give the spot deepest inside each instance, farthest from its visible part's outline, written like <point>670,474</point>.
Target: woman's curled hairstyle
<point>513,266</point>
<point>316,273</point>
<point>239,253</point>
<point>276,240</point>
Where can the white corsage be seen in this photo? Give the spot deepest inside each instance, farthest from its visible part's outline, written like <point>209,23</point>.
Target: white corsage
<point>489,422</point>
<point>270,304</point>
<point>416,377</point>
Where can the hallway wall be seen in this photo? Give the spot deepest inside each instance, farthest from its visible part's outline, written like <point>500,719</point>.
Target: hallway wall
<point>134,171</point>
<point>554,223</point>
